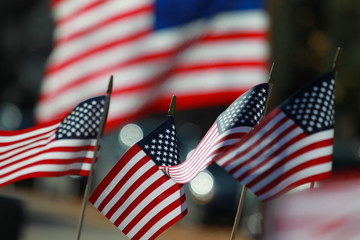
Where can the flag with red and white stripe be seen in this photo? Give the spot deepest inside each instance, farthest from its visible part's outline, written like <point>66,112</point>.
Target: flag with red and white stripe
<point>207,53</point>
<point>293,145</point>
<point>55,149</point>
<point>230,126</point>
<point>136,196</point>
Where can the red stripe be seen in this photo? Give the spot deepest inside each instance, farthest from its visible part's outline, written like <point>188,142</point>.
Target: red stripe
<point>78,12</point>
<point>123,181</point>
<point>137,201</point>
<point>158,199</point>
<point>50,162</point>
<point>26,130</point>
<point>113,172</point>
<point>289,158</point>
<point>99,25</point>
<point>312,178</point>
<point>47,174</point>
<point>34,138</point>
<point>235,35</point>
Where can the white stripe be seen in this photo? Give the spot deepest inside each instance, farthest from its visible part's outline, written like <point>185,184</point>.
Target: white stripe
<point>129,165</point>
<point>100,13</point>
<point>214,80</point>
<point>308,172</point>
<point>150,215</point>
<point>308,156</point>
<point>323,135</point>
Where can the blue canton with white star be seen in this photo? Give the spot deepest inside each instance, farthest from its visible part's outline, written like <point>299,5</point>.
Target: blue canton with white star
<point>246,110</point>
<point>312,108</point>
<point>83,121</point>
<point>161,144</point>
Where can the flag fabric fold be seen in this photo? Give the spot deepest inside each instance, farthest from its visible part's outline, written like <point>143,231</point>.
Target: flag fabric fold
<point>291,146</point>
<point>55,149</point>
<point>205,52</point>
<point>230,126</point>
<point>136,196</point>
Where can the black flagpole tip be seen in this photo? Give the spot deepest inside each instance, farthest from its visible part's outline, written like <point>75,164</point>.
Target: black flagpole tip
<point>336,59</point>
<point>110,84</point>
<point>171,111</point>
<point>270,80</point>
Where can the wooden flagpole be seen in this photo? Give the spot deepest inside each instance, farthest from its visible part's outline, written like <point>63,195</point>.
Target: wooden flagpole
<point>335,69</point>
<point>93,162</point>
<point>244,189</point>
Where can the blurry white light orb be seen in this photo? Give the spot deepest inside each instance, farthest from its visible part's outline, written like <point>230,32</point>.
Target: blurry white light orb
<point>202,186</point>
<point>10,116</point>
<point>130,134</point>
<point>189,153</point>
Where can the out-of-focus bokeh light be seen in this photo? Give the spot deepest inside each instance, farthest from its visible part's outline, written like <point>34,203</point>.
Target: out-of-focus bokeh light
<point>130,134</point>
<point>10,116</point>
<point>202,187</point>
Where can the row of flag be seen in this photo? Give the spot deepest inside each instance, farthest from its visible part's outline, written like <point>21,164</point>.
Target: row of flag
<point>144,194</point>
<point>156,48</point>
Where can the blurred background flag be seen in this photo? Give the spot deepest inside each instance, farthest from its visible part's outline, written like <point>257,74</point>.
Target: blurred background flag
<point>136,196</point>
<point>293,145</point>
<point>230,126</point>
<point>206,53</point>
<point>329,212</point>
<point>54,149</point>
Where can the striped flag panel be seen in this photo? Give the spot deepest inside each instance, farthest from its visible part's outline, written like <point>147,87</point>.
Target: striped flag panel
<point>291,146</point>
<point>136,196</point>
<point>54,149</point>
<point>230,126</point>
<point>154,49</point>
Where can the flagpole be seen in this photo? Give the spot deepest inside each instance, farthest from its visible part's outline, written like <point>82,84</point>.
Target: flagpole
<point>171,111</point>
<point>93,162</point>
<point>244,189</point>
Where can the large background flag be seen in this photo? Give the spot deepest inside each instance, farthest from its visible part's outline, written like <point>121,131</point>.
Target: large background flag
<point>59,148</point>
<point>291,146</point>
<point>136,196</point>
<point>230,126</point>
<point>206,53</point>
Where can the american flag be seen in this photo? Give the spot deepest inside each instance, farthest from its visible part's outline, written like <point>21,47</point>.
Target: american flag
<point>136,196</point>
<point>205,52</point>
<point>230,126</point>
<point>329,212</point>
<point>56,149</point>
<point>291,146</point>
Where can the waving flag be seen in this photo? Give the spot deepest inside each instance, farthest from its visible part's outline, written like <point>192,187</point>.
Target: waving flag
<point>230,126</point>
<point>136,196</point>
<point>291,146</point>
<point>205,52</point>
<point>54,149</point>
